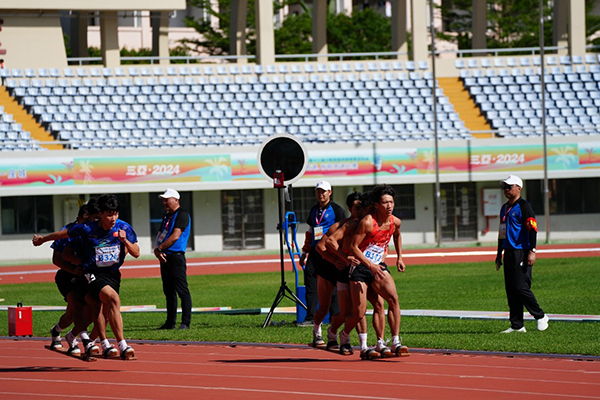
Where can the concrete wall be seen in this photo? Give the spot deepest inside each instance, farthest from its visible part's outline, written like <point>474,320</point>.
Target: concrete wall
<point>28,38</point>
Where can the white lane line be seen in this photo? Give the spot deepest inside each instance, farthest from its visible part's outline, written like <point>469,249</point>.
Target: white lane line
<point>273,260</point>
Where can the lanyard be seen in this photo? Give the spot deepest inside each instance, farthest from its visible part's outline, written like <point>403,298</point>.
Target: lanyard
<point>168,217</point>
<point>318,221</point>
<point>507,211</point>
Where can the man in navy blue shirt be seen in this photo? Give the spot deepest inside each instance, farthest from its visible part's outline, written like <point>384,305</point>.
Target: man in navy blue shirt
<point>319,274</point>
<point>517,236</point>
<point>171,243</point>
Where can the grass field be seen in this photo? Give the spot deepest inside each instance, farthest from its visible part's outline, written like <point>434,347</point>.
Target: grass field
<point>562,286</point>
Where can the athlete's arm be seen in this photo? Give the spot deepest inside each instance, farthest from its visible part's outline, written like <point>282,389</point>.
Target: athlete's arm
<point>59,261</point>
<point>39,240</point>
<point>398,245</point>
<point>364,228</point>
<point>132,248</point>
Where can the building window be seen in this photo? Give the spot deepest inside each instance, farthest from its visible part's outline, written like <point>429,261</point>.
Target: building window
<point>303,199</point>
<point>566,196</point>
<point>31,214</point>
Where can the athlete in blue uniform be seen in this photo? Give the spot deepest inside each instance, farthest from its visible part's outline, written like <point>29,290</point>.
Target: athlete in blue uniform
<point>105,244</point>
<point>67,275</point>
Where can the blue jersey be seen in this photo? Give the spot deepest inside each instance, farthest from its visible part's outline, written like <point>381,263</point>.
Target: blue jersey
<point>101,250</point>
<point>320,220</point>
<point>179,219</point>
<point>60,244</point>
<point>520,225</point>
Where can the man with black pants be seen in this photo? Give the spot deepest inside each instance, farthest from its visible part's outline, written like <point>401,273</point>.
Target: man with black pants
<point>171,243</point>
<point>517,236</point>
<point>323,214</point>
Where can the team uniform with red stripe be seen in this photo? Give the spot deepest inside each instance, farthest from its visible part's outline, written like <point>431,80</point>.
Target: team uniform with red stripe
<point>374,247</point>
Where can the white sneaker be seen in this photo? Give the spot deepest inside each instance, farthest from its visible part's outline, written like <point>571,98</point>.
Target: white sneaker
<point>509,330</point>
<point>542,323</point>
<point>73,345</point>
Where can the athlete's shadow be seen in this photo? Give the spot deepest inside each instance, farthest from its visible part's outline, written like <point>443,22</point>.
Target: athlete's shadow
<point>278,361</point>
<point>46,369</point>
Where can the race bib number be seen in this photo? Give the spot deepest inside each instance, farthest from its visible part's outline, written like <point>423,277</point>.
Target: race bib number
<point>107,256</point>
<point>374,254</point>
<point>318,232</point>
<point>502,231</point>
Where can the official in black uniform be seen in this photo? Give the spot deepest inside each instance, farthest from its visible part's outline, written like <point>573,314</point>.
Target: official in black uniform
<point>171,243</point>
<point>517,237</point>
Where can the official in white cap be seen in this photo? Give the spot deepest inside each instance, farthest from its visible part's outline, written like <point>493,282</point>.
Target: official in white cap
<point>171,243</point>
<point>320,274</point>
<point>517,237</point>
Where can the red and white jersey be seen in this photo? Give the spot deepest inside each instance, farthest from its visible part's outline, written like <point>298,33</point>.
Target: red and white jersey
<point>374,245</point>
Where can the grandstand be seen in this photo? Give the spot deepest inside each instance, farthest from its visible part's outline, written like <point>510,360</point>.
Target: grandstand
<point>68,132</point>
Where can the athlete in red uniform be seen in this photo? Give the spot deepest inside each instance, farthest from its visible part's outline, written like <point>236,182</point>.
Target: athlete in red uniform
<point>369,246</point>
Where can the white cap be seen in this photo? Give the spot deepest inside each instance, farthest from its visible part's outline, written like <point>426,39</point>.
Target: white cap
<point>323,185</point>
<point>513,180</point>
<point>170,193</point>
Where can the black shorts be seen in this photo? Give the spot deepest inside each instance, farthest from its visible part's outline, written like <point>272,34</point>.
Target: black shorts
<point>326,270</point>
<point>362,273</point>
<point>66,282</point>
<point>342,275</point>
<point>99,280</point>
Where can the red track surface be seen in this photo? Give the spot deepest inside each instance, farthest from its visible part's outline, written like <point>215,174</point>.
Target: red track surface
<point>171,371</point>
<point>270,263</point>
<point>179,372</point>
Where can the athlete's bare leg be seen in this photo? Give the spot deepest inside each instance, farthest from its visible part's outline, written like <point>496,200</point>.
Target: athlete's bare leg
<point>111,305</point>
<point>358,293</point>
<point>324,292</point>
<point>378,312</point>
<point>386,288</point>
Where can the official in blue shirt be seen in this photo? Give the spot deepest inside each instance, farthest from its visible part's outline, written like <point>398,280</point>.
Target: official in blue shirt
<point>517,236</point>
<point>316,269</point>
<point>171,243</point>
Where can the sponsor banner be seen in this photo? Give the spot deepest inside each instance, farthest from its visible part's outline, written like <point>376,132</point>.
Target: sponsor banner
<point>477,161</point>
<point>32,172</point>
<point>589,155</point>
<point>132,170</point>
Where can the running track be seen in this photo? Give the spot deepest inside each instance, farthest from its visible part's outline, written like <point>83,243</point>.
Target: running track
<point>196,370</point>
<point>271,263</point>
<point>171,371</point>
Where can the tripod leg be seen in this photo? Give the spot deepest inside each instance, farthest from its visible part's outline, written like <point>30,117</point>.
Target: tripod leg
<point>295,298</point>
<point>278,298</point>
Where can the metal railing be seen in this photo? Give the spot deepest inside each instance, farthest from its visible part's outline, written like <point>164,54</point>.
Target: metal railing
<point>329,56</point>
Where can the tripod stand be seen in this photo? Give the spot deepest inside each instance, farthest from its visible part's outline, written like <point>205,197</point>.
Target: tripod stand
<point>284,290</point>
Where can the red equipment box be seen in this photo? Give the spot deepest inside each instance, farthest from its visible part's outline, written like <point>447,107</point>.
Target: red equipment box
<point>19,321</point>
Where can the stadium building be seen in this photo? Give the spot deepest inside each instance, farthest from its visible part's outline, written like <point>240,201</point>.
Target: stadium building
<point>70,130</point>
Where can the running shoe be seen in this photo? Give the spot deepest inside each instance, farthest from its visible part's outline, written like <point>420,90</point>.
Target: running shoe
<point>382,349</point>
<point>56,344</point>
<point>91,349</point>
<point>346,349</point>
<point>400,351</point>
<point>542,323</point>
<point>73,345</point>
<point>369,354</point>
<point>511,330</point>
<point>110,352</point>
<point>317,340</point>
<point>128,352</point>
<point>333,345</point>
